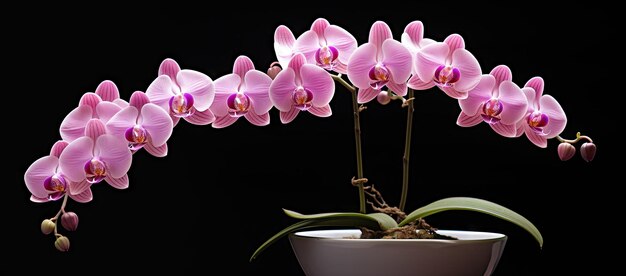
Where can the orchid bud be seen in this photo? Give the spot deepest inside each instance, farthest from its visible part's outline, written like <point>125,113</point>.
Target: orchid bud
<point>566,151</point>
<point>588,151</point>
<point>383,98</point>
<point>69,221</point>
<point>273,71</point>
<point>62,244</point>
<point>47,226</point>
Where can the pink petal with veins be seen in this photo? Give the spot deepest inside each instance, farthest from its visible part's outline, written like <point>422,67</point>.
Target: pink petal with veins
<point>429,59</point>
<point>287,117</point>
<point>79,187</point>
<point>399,88</point>
<point>74,157</point>
<point>398,60</point>
<point>283,44</point>
<point>123,120</point>
<point>224,87</point>
<point>257,88</point>
<point>514,103</point>
<point>504,130</point>
<point>366,95</point>
<point>534,137</point>
<point>156,151</point>
<point>107,90</point>
<point>84,197</point>
<point>417,84</point>
<point>158,124</point>
<point>501,73</point>
<point>342,40</point>
<point>379,32</point>
<point>319,82</point>
<point>90,99</point>
<point>38,172</point>
<point>361,62</point>
<point>73,126</point>
<point>257,119</point>
<point>470,70</point>
<point>94,129</point>
<point>224,121</point>
<point>455,42</point>
<point>106,110</point>
<point>556,115</point>
<point>160,91</point>
<point>477,96</point>
<point>199,85</point>
<point>114,152</point>
<point>118,183</point>
<point>465,120</point>
<point>319,26</point>
<point>242,65</point>
<point>170,68</point>
<point>138,99</point>
<point>201,118</point>
<point>282,88</point>
<point>58,148</point>
<point>307,44</point>
<point>323,111</point>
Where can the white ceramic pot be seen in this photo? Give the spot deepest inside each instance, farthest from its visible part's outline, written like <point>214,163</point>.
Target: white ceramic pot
<point>339,252</point>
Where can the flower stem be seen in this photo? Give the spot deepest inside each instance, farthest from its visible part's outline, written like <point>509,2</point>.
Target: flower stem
<point>357,138</point>
<point>578,138</point>
<point>407,151</point>
<point>56,218</point>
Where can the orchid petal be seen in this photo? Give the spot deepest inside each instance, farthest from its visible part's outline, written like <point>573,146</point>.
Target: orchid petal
<point>558,120</point>
<point>399,88</point>
<point>323,111</point>
<point>465,120</point>
<point>366,95</point>
<point>90,99</point>
<point>504,130</point>
<point>224,121</point>
<point>114,153</point>
<point>160,151</point>
<point>429,58</point>
<point>160,91</point>
<point>379,32</point>
<point>94,129</point>
<point>283,44</point>
<point>138,99</point>
<point>199,85</point>
<point>78,187</point>
<point>158,124</point>
<point>242,65</point>
<point>342,40</point>
<point>73,126</point>
<point>106,110</point>
<point>257,119</point>
<point>74,157</point>
<point>107,90</point>
<point>319,25</point>
<point>84,197</point>
<point>287,117</point>
<point>282,88</point>
<point>514,101</point>
<point>118,183</point>
<point>455,42</point>
<point>417,84</point>
<point>469,68</point>
<point>501,73</point>
<point>398,60</point>
<point>535,138</point>
<point>201,118</point>
<point>257,88</point>
<point>477,96</point>
<point>224,87</point>
<point>307,44</point>
<point>123,120</point>
<point>319,82</point>
<point>170,68</point>
<point>58,148</point>
<point>361,62</point>
<point>38,172</point>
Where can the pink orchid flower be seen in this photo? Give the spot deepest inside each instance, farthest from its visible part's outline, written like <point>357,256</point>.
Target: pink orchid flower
<point>143,125</point>
<point>413,39</point>
<point>328,46</point>
<point>92,106</point>
<point>245,92</point>
<point>95,157</point>
<point>302,87</point>
<point>449,66</point>
<point>545,119</point>
<point>183,94</point>
<point>497,101</point>
<point>380,62</point>
<point>46,182</point>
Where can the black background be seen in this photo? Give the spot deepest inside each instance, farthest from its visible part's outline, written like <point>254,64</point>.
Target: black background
<point>218,193</point>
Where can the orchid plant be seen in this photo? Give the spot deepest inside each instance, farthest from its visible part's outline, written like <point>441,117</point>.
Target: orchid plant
<point>100,135</point>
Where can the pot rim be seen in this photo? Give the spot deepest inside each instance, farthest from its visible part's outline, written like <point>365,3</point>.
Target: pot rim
<point>486,237</point>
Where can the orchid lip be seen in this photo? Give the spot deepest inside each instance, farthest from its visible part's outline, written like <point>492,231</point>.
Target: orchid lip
<point>446,76</point>
<point>181,105</point>
<point>491,110</point>
<point>379,76</point>
<point>55,183</point>
<point>137,137</point>
<point>238,104</point>
<point>302,98</point>
<point>326,57</point>
<point>537,121</point>
<point>95,170</point>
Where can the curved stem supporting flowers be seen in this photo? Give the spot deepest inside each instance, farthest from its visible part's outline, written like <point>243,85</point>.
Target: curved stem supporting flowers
<point>357,137</point>
<point>56,217</point>
<point>573,141</point>
<point>407,150</point>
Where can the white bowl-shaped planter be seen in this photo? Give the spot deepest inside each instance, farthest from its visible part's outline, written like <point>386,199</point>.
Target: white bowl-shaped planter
<point>340,252</point>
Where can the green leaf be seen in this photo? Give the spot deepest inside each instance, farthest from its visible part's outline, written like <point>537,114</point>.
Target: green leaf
<point>318,222</point>
<point>477,205</point>
<point>384,221</point>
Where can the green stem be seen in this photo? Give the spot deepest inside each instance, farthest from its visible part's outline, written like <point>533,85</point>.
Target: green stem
<point>407,151</point>
<point>578,138</point>
<point>357,138</point>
